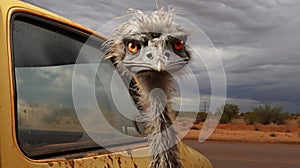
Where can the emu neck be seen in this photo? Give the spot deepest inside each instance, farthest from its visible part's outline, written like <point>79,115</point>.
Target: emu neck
<point>155,90</point>
<point>151,80</point>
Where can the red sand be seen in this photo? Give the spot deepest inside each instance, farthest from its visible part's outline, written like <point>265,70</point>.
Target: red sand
<point>258,133</point>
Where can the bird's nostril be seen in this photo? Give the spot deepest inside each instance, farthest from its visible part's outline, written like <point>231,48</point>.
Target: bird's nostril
<point>149,55</point>
<point>167,55</point>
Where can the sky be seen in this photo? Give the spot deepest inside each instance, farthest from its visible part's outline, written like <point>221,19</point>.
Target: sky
<point>257,40</point>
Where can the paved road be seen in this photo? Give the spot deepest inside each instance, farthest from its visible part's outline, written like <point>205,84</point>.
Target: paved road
<point>242,155</point>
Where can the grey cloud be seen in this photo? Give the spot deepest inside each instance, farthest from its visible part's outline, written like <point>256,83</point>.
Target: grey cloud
<point>91,13</point>
<point>260,39</point>
<point>232,22</point>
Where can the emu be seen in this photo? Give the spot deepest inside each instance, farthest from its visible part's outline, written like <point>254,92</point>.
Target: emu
<point>149,49</point>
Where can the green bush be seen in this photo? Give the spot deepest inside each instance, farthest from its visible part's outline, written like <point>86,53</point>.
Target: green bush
<point>266,115</point>
<point>250,118</point>
<point>225,119</point>
<point>230,111</point>
<point>201,116</point>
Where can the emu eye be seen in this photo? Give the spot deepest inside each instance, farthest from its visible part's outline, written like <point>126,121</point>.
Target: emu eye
<point>133,46</point>
<point>178,45</point>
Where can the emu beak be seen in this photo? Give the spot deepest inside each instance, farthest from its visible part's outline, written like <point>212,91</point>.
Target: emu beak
<point>160,66</point>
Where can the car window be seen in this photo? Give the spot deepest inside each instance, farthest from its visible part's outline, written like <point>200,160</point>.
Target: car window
<point>45,55</point>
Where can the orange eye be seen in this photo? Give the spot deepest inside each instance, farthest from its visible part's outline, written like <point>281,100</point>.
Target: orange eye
<point>178,45</point>
<point>133,47</point>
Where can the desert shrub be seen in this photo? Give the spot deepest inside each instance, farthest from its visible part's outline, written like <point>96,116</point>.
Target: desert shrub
<point>266,115</point>
<point>250,118</point>
<point>230,111</point>
<point>201,116</point>
<point>295,116</point>
<point>225,119</point>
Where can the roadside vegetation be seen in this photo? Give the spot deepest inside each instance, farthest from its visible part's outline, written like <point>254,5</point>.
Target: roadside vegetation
<point>267,115</point>
<point>262,124</point>
<point>230,111</point>
<point>262,114</point>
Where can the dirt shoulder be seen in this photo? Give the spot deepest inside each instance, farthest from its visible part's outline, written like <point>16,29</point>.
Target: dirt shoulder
<point>272,134</point>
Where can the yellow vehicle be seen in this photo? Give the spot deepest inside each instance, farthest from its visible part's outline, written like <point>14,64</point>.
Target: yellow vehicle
<point>38,123</point>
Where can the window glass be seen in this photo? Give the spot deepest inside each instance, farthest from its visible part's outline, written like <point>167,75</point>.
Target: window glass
<point>44,55</point>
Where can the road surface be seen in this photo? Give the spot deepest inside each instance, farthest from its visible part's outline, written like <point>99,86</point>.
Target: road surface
<point>243,155</point>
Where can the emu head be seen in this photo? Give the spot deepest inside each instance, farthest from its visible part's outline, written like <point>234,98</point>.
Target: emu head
<point>149,42</point>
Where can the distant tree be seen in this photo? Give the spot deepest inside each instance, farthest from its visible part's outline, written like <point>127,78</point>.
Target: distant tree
<point>295,115</point>
<point>230,111</point>
<point>250,118</point>
<point>267,115</point>
<point>201,117</point>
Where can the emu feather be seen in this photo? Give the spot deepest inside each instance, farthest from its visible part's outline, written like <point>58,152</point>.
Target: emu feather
<point>149,49</point>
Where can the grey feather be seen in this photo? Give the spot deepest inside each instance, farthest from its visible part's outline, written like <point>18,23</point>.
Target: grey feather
<point>154,89</point>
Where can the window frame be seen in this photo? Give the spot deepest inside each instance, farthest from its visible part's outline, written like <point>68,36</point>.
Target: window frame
<point>56,26</point>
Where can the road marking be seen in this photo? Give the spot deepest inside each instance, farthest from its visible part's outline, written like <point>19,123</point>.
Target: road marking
<point>252,160</point>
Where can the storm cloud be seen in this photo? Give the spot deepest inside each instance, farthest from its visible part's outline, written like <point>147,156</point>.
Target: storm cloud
<point>258,41</point>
